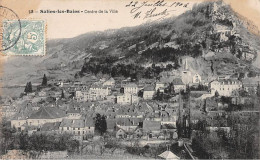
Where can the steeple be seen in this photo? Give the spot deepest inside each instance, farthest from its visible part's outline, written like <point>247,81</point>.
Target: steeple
<point>185,64</point>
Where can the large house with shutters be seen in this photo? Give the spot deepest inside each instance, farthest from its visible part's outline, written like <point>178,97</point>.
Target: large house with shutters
<point>97,91</point>
<point>131,88</point>
<point>225,87</point>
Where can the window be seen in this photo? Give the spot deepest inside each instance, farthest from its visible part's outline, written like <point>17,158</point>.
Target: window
<point>73,128</point>
<point>88,127</point>
<point>78,132</point>
<point>67,128</point>
<point>78,128</point>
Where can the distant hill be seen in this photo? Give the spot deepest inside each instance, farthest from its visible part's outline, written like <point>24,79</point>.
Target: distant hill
<point>211,33</point>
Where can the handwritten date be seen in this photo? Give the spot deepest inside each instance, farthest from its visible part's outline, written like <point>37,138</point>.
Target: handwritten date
<point>160,9</point>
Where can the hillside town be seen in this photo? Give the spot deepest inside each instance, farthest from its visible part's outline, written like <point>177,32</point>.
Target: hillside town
<point>188,107</point>
<point>152,111</point>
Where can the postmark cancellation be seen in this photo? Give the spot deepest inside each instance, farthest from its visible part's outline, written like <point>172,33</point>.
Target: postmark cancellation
<point>31,40</point>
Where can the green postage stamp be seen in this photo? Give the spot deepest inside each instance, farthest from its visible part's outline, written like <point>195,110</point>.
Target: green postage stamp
<point>30,34</point>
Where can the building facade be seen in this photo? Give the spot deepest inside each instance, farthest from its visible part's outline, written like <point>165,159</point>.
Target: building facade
<point>131,88</point>
<point>225,87</point>
<point>127,98</point>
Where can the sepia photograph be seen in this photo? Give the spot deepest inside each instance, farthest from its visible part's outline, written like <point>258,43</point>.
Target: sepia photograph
<point>129,80</point>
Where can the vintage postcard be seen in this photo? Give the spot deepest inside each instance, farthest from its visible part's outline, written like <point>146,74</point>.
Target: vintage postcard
<point>129,79</point>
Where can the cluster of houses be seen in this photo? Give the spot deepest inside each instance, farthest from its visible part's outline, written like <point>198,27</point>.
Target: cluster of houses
<point>53,120</point>
<point>144,119</point>
<point>129,113</point>
<point>126,92</point>
<point>129,117</point>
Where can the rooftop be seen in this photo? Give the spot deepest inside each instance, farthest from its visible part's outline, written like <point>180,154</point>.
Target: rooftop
<point>228,81</point>
<point>149,88</point>
<point>47,113</point>
<point>50,126</point>
<point>130,85</point>
<point>151,125</point>
<point>77,123</point>
<point>177,81</point>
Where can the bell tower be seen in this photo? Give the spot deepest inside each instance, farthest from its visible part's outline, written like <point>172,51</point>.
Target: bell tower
<point>186,74</point>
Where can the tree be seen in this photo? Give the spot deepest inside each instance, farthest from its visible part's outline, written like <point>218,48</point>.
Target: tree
<point>187,88</point>
<point>62,94</point>
<point>28,87</point>
<point>158,96</point>
<point>258,90</point>
<point>100,123</point>
<point>112,143</point>
<point>44,80</point>
<point>241,76</point>
<point>7,137</point>
<point>171,89</point>
<point>140,93</point>
<point>216,94</point>
<point>169,67</point>
<point>122,90</point>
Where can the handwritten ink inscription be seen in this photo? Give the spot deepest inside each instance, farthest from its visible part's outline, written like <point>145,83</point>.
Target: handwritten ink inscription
<point>159,9</point>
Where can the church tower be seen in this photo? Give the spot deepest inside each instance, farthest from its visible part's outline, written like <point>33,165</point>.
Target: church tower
<point>186,74</point>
